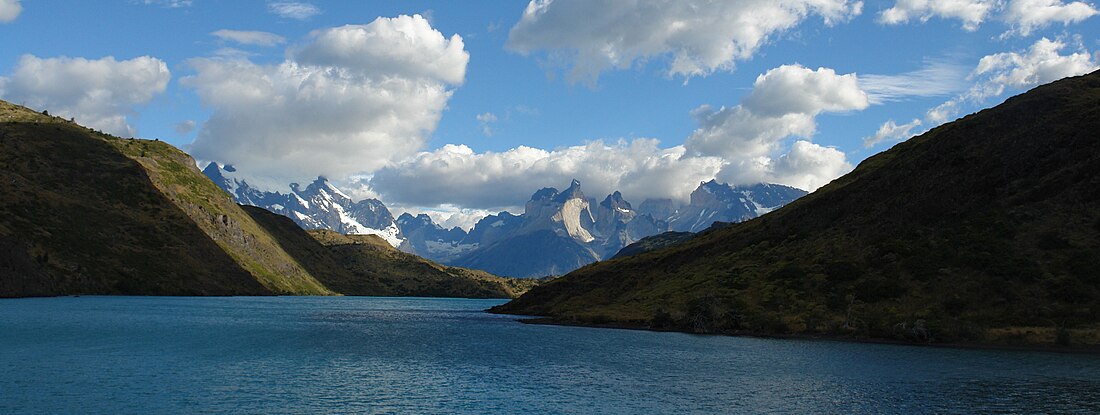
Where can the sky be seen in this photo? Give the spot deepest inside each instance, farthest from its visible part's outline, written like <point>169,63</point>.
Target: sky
<point>459,109</point>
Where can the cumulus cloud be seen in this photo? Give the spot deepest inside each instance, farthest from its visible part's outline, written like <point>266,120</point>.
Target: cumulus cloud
<point>739,145</point>
<point>249,37</point>
<point>808,166</point>
<point>1027,15</point>
<point>971,12</point>
<point>9,10</point>
<point>99,93</point>
<point>455,174</point>
<point>1039,64</point>
<point>485,119</point>
<point>890,130</point>
<point>349,100</point>
<point>696,37</point>
<point>1023,16</point>
<point>293,9</point>
<point>783,103</point>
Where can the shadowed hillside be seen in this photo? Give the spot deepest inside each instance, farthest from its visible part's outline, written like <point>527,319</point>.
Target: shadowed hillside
<point>78,216</point>
<point>986,229</point>
<point>83,212</point>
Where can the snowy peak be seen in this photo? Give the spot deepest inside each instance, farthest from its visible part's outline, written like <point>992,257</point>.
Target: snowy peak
<point>719,202</point>
<point>319,205</point>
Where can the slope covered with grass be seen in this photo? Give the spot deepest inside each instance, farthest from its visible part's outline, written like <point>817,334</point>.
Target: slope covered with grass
<point>986,229</point>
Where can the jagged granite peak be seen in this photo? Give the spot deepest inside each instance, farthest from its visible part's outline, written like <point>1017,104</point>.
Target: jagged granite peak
<point>573,192</point>
<point>319,205</point>
<point>658,208</point>
<point>426,238</point>
<point>615,200</point>
<point>546,193</point>
<point>719,202</point>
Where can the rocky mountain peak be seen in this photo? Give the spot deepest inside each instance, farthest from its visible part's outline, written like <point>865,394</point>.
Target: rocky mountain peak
<point>615,200</point>
<point>573,192</point>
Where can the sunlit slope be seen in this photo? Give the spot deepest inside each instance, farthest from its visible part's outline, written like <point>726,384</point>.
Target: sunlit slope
<point>85,212</point>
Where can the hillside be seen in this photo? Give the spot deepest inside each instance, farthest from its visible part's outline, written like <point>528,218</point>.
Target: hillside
<point>94,222</point>
<point>986,229</point>
<point>101,214</point>
<point>83,212</point>
<point>378,268</point>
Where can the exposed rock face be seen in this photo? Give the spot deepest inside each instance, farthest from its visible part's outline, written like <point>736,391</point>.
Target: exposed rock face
<point>586,231</point>
<point>718,202</point>
<point>561,231</point>
<point>319,205</point>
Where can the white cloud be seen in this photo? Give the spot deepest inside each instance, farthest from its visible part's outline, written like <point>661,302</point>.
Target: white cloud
<point>1027,15</point>
<point>971,12</point>
<point>1040,64</point>
<point>185,127</point>
<point>172,4</point>
<point>449,216</point>
<point>739,145</point>
<point>890,130</point>
<point>350,100</point>
<point>293,9</point>
<point>456,175</point>
<point>98,93</point>
<point>485,119</point>
<point>249,37</point>
<point>9,10</point>
<point>935,79</point>
<point>697,37</point>
<point>404,46</point>
<point>783,103</point>
<point>809,166</point>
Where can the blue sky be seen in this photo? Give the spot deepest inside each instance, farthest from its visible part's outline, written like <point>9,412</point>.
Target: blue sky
<point>518,85</point>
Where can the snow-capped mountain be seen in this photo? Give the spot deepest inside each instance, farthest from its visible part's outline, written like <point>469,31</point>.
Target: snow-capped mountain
<point>561,231</point>
<point>319,205</point>
<point>719,202</point>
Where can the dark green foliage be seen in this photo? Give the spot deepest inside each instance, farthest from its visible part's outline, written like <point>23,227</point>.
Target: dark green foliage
<point>984,229</point>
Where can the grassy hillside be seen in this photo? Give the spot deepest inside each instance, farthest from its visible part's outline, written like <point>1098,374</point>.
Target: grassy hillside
<point>379,268</point>
<point>83,212</point>
<point>986,229</point>
<point>78,216</point>
<point>175,175</point>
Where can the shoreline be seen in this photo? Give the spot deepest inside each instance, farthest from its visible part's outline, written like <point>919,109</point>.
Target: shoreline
<point>1085,349</point>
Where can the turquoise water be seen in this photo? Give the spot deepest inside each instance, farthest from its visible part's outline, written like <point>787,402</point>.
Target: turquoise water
<point>414,355</point>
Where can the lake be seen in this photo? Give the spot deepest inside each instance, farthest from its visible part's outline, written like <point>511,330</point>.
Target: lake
<point>418,355</point>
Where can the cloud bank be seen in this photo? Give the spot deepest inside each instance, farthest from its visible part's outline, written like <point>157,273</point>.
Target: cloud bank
<point>1022,16</point>
<point>1041,63</point>
<point>348,100</point>
<point>99,93</point>
<point>696,37</point>
<point>740,145</point>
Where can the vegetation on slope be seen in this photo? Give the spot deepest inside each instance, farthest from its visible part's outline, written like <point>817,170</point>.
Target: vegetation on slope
<point>378,267</point>
<point>986,229</point>
<point>77,216</point>
<point>83,212</point>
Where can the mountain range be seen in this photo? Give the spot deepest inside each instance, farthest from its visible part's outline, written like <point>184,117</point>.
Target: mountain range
<point>559,231</point>
<point>82,212</point>
<point>983,230</point>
